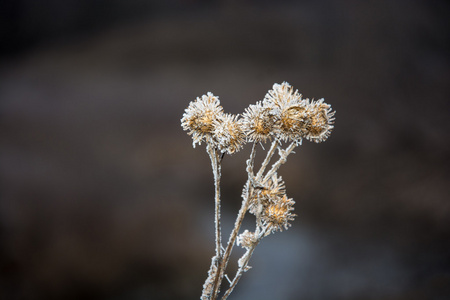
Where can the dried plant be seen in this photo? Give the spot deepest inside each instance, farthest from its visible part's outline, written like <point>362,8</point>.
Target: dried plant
<point>283,118</point>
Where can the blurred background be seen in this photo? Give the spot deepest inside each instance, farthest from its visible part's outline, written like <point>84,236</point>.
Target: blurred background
<point>103,197</point>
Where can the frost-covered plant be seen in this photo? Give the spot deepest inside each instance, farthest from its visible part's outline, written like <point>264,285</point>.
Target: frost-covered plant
<point>282,117</point>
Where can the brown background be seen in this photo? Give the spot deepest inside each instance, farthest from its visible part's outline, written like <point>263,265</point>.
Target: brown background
<point>103,196</point>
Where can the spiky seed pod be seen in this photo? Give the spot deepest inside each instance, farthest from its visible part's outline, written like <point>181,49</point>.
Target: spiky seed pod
<point>200,116</point>
<point>319,121</point>
<point>292,123</point>
<point>287,107</point>
<point>246,239</point>
<point>228,133</point>
<point>262,197</point>
<point>278,214</point>
<point>281,96</point>
<point>258,123</point>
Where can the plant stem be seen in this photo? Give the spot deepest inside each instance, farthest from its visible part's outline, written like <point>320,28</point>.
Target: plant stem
<point>216,166</point>
<point>266,160</point>
<point>244,266</point>
<point>237,224</point>
<point>283,156</point>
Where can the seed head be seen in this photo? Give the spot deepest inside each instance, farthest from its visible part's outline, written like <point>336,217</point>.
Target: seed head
<point>246,239</point>
<point>289,111</point>
<point>319,121</point>
<point>273,190</point>
<point>258,123</point>
<point>228,133</point>
<point>200,116</point>
<point>281,96</point>
<point>278,214</point>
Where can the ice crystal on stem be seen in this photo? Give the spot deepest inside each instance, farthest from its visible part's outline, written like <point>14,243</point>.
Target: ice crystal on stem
<point>282,116</point>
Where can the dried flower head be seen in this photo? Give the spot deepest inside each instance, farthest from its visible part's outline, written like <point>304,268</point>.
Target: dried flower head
<point>289,110</point>
<point>319,121</point>
<point>278,214</point>
<point>228,133</point>
<point>246,239</point>
<point>258,123</point>
<point>291,123</point>
<point>200,116</point>
<point>282,96</point>
<point>273,190</point>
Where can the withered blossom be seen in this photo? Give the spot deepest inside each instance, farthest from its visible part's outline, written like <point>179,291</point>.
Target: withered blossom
<point>228,133</point>
<point>246,239</point>
<point>282,96</point>
<point>287,107</point>
<point>278,214</point>
<point>200,116</point>
<point>263,196</point>
<point>298,118</point>
<point>318,121</point>
<point>258,123</point>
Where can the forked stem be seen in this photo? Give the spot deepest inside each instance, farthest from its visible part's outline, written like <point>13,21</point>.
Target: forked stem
<point>266,161</point>
<point>244,263</point>
<point>237,226</point>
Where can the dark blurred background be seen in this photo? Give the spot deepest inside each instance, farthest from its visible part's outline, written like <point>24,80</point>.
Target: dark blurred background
<point>103,196</point>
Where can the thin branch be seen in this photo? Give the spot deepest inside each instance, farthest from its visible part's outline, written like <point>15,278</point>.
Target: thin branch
<point>216,166</point>
<point>267,159</point>
<point>283,156</point>
<point>237,225</point>
<point>244,263</point>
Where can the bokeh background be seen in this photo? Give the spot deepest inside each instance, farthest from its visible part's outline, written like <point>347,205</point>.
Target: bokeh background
<point>103,196</point>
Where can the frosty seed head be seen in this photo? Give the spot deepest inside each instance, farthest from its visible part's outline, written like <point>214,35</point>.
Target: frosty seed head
<point>278,214</point>
<point>200,116</point>
<point>283,114</point>
<point>228,133</point>
<point>291,122</point>
<point>273,190</point>
<point>287,107</point>
<point>281,96</point>
<point>318,121</point>
<point>246,239</point>
<point>298,118</point>
<point>258,123</point>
